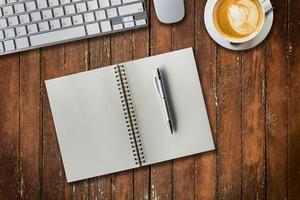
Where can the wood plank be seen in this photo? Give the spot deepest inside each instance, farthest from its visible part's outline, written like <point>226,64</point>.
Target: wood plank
<point>253,123</point>
<point>75,54</point>
<point>30,127</point>
<point>121,43</point>
<point>276,105</point>
<point>161,174</point>
<point>141,175</point>
<point>205,53</point>
<point>9,126</point>
<point>293,101</point>
<point>100,55</point>
<point>53,179</point>
<point>229,125</point>
<point>183,35</point>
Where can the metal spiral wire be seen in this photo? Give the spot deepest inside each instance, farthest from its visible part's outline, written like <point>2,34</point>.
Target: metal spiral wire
<point>129,114</point>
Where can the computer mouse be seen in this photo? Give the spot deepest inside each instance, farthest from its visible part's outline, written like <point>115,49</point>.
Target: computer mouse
<point>169,11</point>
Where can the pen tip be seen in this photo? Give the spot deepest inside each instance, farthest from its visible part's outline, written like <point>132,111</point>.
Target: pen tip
<point>171,127</point>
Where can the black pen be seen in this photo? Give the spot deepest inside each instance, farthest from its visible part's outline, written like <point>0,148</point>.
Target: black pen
<point>159,82</point>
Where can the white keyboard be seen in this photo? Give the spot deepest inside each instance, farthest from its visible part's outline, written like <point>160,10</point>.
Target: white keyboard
<point>30,24</point>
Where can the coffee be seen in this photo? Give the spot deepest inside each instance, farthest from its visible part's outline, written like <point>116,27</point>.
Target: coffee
<point>238,20</point>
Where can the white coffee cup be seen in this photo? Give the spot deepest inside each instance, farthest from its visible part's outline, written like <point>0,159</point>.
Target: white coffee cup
<point>266,6</point>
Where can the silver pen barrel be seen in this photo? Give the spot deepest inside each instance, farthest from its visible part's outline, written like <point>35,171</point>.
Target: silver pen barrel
<point>165,104</point>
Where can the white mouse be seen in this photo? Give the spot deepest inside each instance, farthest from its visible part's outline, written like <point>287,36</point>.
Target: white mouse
<point>169,11</point>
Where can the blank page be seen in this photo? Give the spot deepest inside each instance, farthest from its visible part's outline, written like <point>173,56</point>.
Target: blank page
<point>90,124</point>
<point>192,132</point>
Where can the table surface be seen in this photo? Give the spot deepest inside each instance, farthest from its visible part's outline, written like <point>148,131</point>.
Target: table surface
<point>251,97</point>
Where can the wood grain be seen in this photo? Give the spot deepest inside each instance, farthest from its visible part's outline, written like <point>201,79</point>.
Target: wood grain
<point>253,123</point>
<point>9,127</point>
<point>251,97</point>
<point>276,115</point>
<point>53,179</point>
<point>229,124</point>
<point>293,101</point>
<point>206,54</point>
<point>30,126</point>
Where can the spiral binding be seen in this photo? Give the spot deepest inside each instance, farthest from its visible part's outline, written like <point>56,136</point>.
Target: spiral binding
<point>129,114</point>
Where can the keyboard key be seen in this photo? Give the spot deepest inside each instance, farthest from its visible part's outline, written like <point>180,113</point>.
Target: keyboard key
<point>36,16</point>
<point>64,1</point>
<point>70,9</point>
<point>1,35</point>
<point>2,2</point>
<point>81,7</point>
<point>100,15</point>
<point>92,5</point>
<point>1,47</point>
<point>129,24</point>
<point>105,26</point>
<point>140,22</point>
<point>53,2</point>
<point>21,30</point>
<point>57,36</point>
<point>24,19</point>
<point>9,45</point>
<point>89,17</point>
<point>129,1</point>
<point>65,22</point>
<point>32,28</point>
<point>58,12</point>
<point>9,33</point>
<point>8,10</point>
<point>22,43</point>
<point>128,19</point>
<point>3,23</point>
<point>55,24</point>
<point>103,3</point>
<point>19,8</point>
<point>77,19</point>
<point>41,4</point>
<point>30,6</point>
<point>112,12</point>
<point>47,14</point>
<point>115,2</point>
<point>130,9</point>
<point>118,27</point>
<point>44,26</point>
<point>92,29</point>
<point>12,21</point>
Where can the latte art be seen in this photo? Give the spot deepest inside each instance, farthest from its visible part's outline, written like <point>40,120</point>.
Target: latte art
<point>243,17</point>
<point>238,20</point>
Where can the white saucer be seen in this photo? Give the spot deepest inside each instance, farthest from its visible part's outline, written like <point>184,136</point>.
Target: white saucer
<point>242,46</point>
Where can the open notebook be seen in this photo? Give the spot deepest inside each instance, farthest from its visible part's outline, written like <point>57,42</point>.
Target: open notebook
<point>111,119</point>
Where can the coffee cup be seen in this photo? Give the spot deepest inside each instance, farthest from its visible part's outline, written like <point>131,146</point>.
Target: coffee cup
<point>239,21</point>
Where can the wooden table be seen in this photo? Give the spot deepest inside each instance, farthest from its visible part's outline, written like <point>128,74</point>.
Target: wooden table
<point>252,101</point>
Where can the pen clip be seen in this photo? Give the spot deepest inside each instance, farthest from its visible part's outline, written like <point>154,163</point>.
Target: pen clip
<point>156,85</point>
